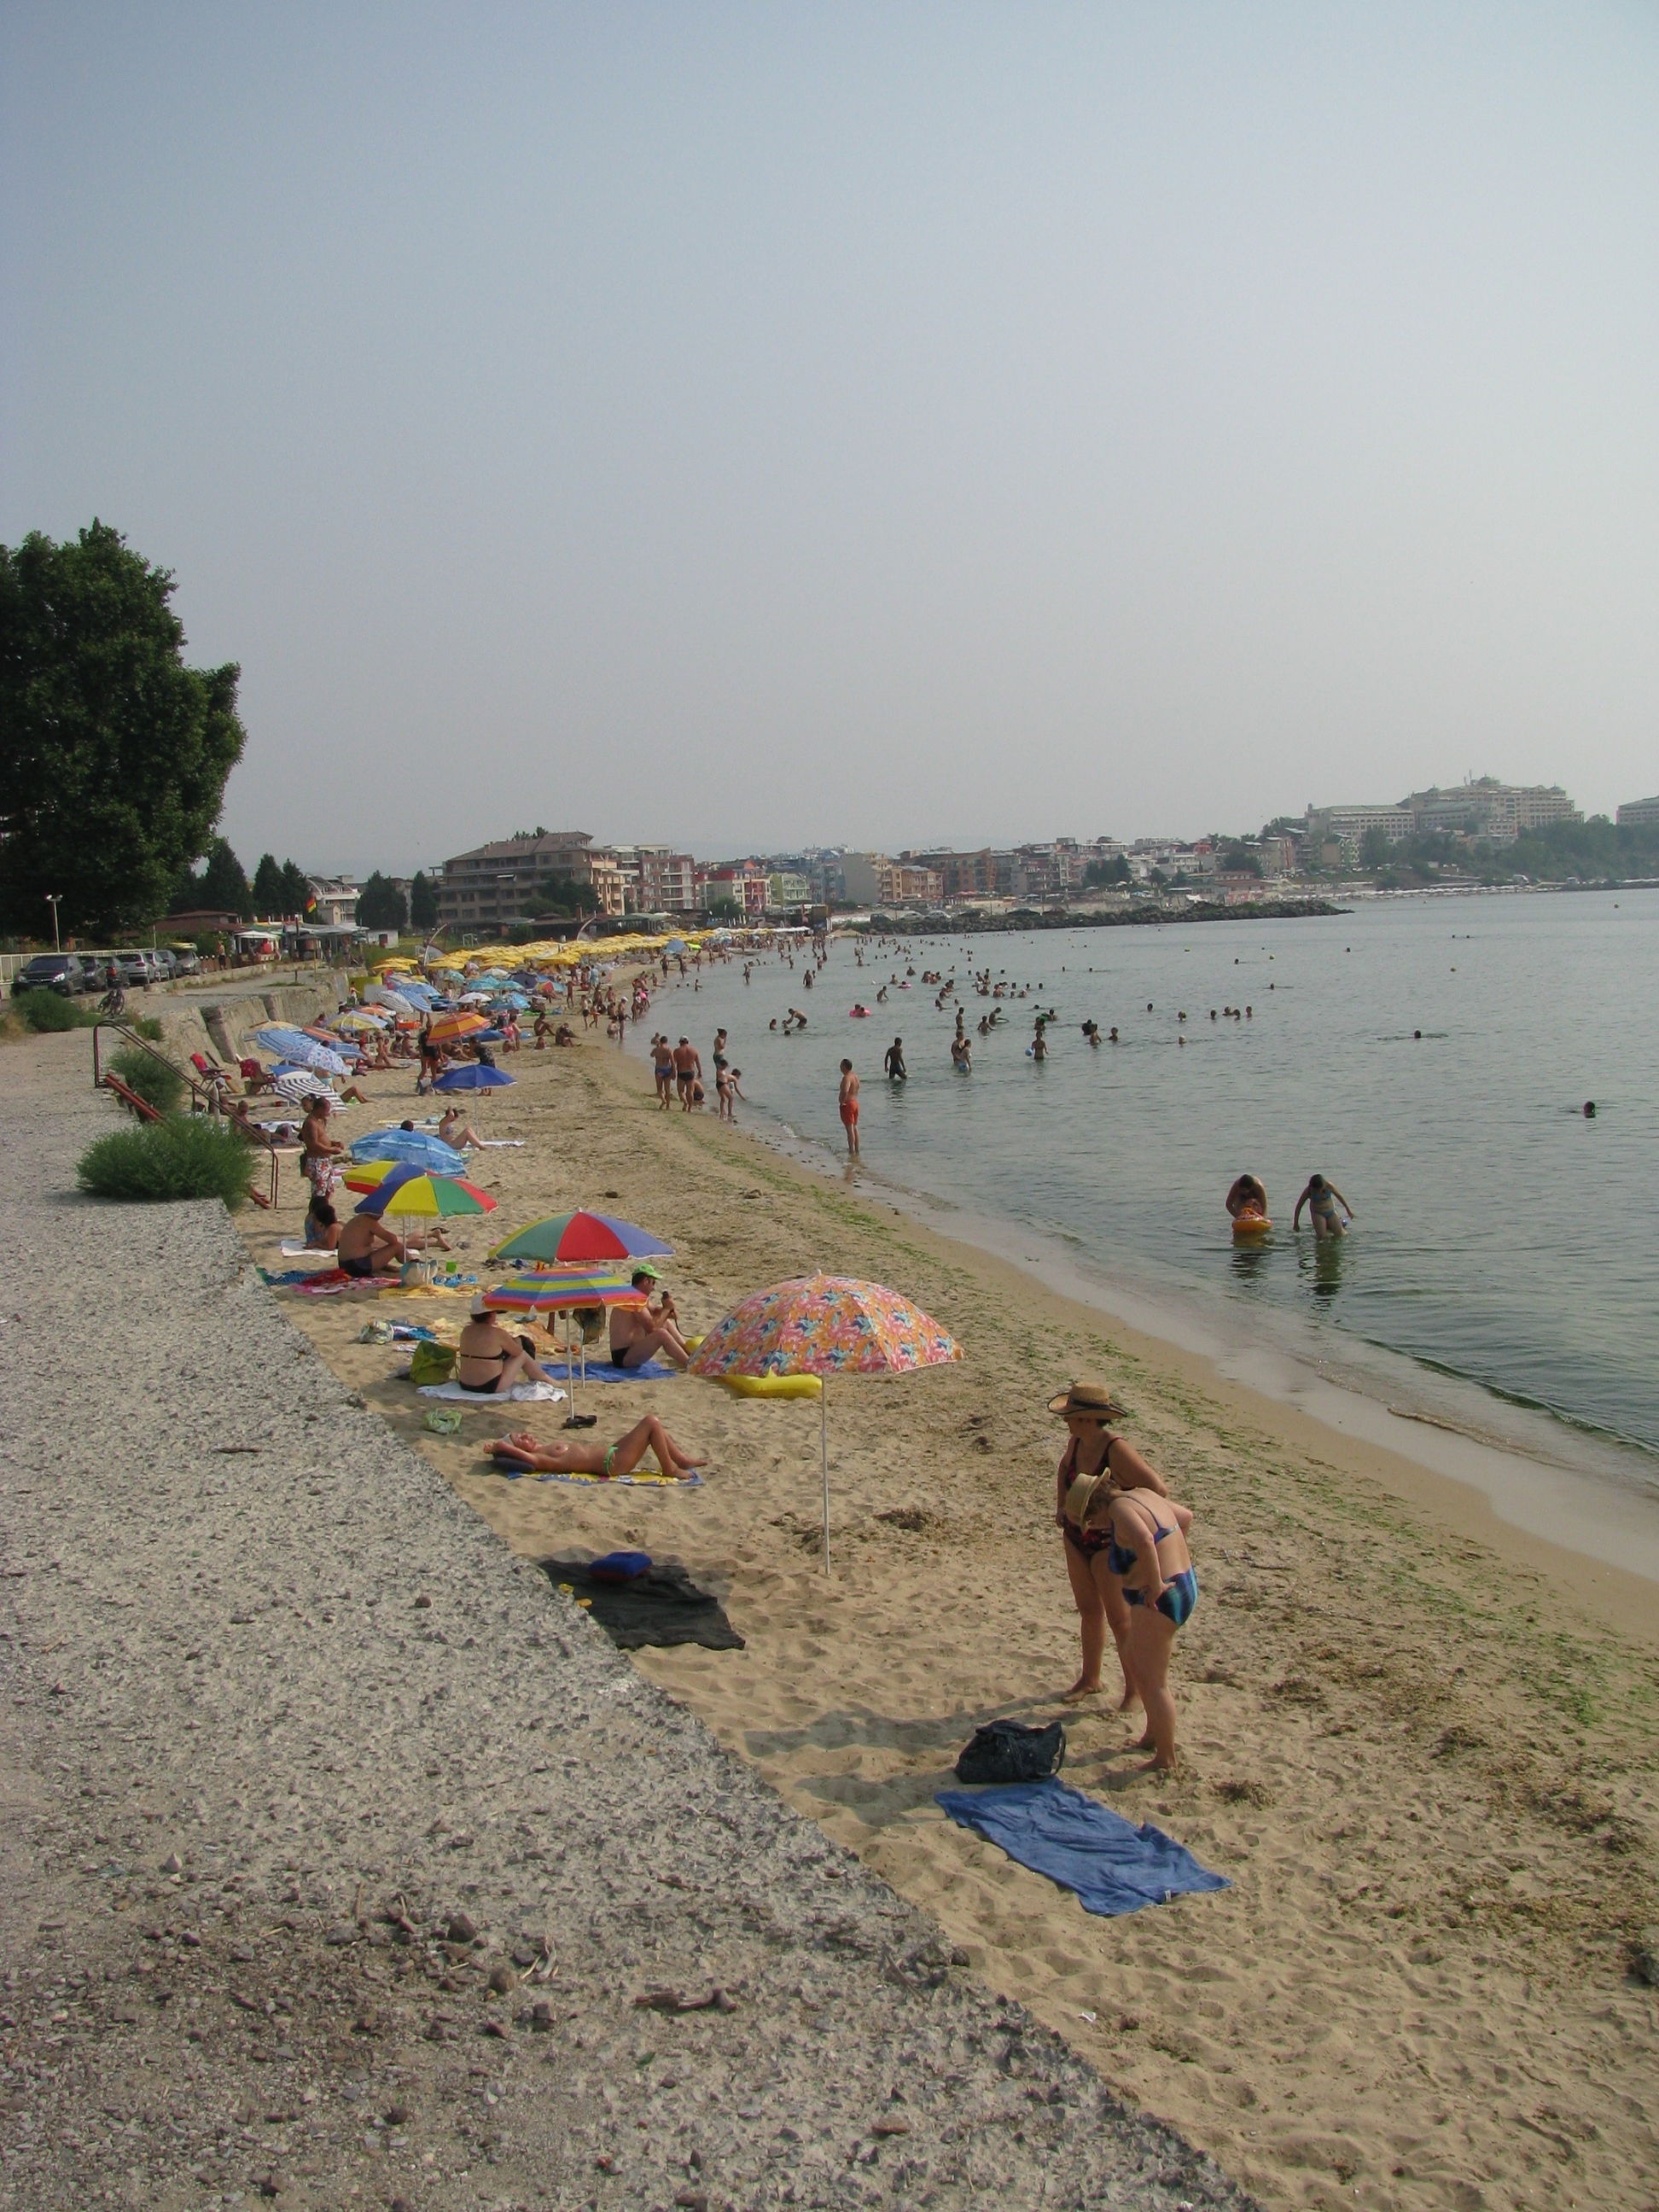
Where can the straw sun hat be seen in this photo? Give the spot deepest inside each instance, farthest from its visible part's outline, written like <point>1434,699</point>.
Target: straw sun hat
<point>1094,1398</point>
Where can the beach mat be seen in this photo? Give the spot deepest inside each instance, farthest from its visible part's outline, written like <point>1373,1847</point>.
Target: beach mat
<point>521,1394</point>
<point>1114,1866</point>
<point>606,1371</point>
<point>661,1605</point>
<point>642,1478</point>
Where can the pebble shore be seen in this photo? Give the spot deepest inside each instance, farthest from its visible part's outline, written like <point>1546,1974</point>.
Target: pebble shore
<point>343,1861</point>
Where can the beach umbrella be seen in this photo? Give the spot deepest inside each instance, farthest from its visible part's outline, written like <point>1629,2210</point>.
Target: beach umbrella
<point>477,1076</point>
<point>382,994</point>
<point>559,1239</point>
<point>565,1290</point>
<point>451,1029</point>
<point>409,1147</point>
<point>435,1197</point>
<point>356,1018</point>
<point>297,1083</point>
<point>304,1051</point>
<point>825,1325</point>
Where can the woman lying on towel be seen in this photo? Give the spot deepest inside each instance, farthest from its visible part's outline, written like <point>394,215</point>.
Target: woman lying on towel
<point>525,1454</point>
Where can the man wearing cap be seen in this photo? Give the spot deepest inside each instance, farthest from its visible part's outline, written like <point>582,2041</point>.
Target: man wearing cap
<point>639,1333</point>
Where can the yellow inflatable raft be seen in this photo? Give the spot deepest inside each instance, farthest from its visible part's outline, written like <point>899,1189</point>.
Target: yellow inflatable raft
<point>773,1386</point>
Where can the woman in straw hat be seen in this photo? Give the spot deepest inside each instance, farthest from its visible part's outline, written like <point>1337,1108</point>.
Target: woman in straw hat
<point>1103,1560</point>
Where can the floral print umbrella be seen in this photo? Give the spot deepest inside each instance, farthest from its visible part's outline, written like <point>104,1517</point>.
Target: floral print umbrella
<point>825,1325</point>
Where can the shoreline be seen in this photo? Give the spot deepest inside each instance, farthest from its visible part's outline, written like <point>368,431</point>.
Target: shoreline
<point>1413,1740</point>
<point>1522,1501</point>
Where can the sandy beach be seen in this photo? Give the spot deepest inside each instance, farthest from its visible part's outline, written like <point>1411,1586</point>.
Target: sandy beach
<point>1419,1743</point>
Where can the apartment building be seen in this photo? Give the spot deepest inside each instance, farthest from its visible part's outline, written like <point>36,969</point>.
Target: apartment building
<point>786,888</point>
<point>656,879</point>
<point>333,901</point>
<point>509,881</point>
<point>1347,827</point>
<point>744,886</point>
<point>1497,813</point>
<point>1639,814</point>
<point>900,883</point>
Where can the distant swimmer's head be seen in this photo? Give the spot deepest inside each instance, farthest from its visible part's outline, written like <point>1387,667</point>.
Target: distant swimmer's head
<point>1086,1401</point>
<point>1315,1182</point>
<point>1589,1109</point>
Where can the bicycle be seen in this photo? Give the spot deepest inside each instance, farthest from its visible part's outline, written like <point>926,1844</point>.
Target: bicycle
<point>113,1002</point>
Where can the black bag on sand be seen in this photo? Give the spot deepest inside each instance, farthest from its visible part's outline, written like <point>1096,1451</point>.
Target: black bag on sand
<point>1005,1751</point>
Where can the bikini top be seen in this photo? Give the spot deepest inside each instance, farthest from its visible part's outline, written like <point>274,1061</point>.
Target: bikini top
<point>1084,1489</point>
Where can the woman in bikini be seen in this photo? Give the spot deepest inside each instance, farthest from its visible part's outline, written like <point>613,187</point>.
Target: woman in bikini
<point>530,1456</point>
<point>1096,1463</point>
<point>490,1362</point>
<point>1148,1560</point>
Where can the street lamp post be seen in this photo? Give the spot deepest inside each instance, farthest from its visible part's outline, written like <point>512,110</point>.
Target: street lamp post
<point>52,898</point>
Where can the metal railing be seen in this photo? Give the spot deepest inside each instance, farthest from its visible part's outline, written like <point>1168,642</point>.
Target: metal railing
<point>205,1098</point>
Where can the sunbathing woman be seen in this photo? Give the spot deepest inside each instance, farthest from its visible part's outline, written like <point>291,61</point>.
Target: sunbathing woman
<point>456,1131</point>
<point>490,1362</point>
<point>1097,1455</point>
<point>590,1457</point>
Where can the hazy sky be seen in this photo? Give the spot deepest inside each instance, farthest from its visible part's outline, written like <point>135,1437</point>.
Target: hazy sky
<point>760,425</point>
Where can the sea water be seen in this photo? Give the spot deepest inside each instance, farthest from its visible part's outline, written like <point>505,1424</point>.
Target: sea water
<point>1430,1056</point>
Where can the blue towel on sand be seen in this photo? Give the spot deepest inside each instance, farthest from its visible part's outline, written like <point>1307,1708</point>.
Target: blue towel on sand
<point>605,1371</point>
<point>1113,1866</point>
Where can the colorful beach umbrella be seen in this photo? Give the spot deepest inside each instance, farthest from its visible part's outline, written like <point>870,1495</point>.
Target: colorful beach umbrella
<point>825,1325</point>
<point>435,1196</point>
<point>451,1028</point>
<point>563,1291</point>
<point>559,1239</point>
<point>477,1077</point>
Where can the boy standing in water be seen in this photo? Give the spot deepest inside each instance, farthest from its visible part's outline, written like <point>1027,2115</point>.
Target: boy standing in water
<point>850,1108</point>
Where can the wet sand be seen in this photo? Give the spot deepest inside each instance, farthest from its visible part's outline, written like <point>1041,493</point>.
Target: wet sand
<point>1418,1742</point>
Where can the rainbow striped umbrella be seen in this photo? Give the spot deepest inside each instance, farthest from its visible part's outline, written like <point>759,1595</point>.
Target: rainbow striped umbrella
<point>560,1238</point>
<point>825,1325</point>
<point>436,1196</point>
<point>563,1290</point>
<point>453,1029</point>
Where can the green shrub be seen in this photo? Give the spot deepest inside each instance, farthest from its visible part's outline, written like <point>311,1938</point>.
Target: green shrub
<point>147,1026</point>
<point>50,1010</point>
<point>153,1080</point>
<point>182,1157</point>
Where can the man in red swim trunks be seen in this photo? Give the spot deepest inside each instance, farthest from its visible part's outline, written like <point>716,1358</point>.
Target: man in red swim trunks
<point>850,1108</point>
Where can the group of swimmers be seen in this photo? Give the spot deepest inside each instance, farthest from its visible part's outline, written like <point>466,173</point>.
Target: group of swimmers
<point>1246,1202</point>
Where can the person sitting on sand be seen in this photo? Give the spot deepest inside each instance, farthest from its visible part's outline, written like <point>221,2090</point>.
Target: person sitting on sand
<point>1321,1200</point>
<point>588,1457</point>
<point>490,1361</point>
<point>1096,1455</point>
<point>1248,1196</point>
<point>457,1132</point>
<point>366,1247</point>
<point>639,1333</point>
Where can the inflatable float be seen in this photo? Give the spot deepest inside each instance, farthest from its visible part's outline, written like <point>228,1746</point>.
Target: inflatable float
<point>859,1013</point>
<point>1251,1223</point>
<point>773,1386</point>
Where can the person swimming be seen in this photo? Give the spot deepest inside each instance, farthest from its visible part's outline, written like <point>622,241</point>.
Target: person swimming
<point>1248,1196</point>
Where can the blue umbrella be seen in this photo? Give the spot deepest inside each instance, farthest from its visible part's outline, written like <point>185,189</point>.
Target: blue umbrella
<point>474,1076</point>
<point>418,1147</point>
<point>303,1051</point>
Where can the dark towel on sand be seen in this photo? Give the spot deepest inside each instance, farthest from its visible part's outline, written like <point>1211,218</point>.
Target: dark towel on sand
<point>661,1605</point>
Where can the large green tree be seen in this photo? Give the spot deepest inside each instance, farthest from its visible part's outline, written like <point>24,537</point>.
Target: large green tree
<point>268,887</point>
<point>381,905</point>
<point>224,888</point>
<point>423,901</point>
<point>113,755</point>
<point>296,890</point>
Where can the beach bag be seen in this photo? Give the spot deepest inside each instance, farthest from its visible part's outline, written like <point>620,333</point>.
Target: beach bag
<point>1005,1751</point>
<point>431,1364</point>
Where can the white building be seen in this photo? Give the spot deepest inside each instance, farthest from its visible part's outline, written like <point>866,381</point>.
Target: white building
<point>1639,814</point>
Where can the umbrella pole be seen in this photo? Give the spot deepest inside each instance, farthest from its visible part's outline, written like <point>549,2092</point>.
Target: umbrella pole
<point>824,1455</point>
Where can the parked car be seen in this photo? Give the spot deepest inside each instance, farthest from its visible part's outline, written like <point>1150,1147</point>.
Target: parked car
<point>136,972</point>
<point>63,972</point>
<point>186,961</point>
